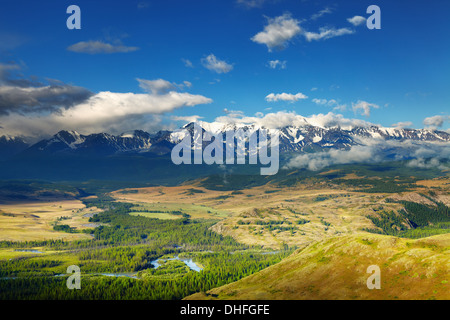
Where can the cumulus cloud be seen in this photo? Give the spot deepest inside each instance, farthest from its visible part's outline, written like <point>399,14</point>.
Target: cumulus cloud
<point>216,65</point>
<point>326,33</point>
<point>113,105</point>
<point>161,86</point>
<point>157,86</point>
<point>278,32</point>
<point>274,64</point>
<point>282,119</point>
<point>330,103</point>
<point>99,47</point>
<point>320,101</point>
<point>435,122</point>
<point>324,102</point>
<point>364,107</point>
<point>336,120</point>
<point>285,97</point>
<point>108,111</point>
<point>357,20</point>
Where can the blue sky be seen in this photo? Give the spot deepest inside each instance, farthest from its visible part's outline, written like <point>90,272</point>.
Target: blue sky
<point>210,53</point>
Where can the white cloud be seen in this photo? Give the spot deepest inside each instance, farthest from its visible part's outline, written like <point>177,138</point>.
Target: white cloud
<point>278,32</point>
<point>321,13</point>
<point>363,107</point>
<point>107,111</point>
<point>403,124</point>
<point>187,84</point>
<point>187,119</point>
<point>214,81</point>
<point>112,104</point>
<point>273,64</point>
<point>216,65</point>
<point>330,103</point>
<point>234,113</point>
<point>320,160</point>
<point>341,107</point>
<point>336,120</point>
<point>282,119</point>
<point>319,101</point>
<point>357,20</point>
<point>435,121</point>
<point>282,29</point>
<point>427,164</point>
<point>160,86</point>
<point>324,102</point>
<point>157,86</point>
<point>327,33</point>
<point>98,47</point>
<point>285,97</point>
<point>425,154</point>
<point>187,63</point>
<point>430,155</point>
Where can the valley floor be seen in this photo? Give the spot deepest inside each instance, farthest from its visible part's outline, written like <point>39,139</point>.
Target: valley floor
<point>310,240</point>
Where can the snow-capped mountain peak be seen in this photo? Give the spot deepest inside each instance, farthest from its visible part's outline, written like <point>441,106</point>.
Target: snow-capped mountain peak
<point>301,137</point>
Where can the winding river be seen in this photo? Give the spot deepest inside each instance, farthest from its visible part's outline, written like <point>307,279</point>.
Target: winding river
<point>191,264</point>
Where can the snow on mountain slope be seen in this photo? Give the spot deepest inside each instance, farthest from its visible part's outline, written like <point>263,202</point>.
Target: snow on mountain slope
<point>293,138</point>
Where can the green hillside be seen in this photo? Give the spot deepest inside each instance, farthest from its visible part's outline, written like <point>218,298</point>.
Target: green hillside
<point>336,268</point>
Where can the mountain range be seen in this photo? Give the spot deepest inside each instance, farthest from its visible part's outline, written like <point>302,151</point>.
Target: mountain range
<point>306,138</point>
<point>139,156</point>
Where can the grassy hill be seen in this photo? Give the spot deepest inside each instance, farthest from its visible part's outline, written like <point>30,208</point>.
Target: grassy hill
<point>336,268</point>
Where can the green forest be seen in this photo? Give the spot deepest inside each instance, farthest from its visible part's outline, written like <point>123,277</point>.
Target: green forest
<point>127,244</point>
<point>416,220</point>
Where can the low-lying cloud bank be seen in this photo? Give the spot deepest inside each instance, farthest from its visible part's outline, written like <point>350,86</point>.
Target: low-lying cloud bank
<point>417,154</point>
